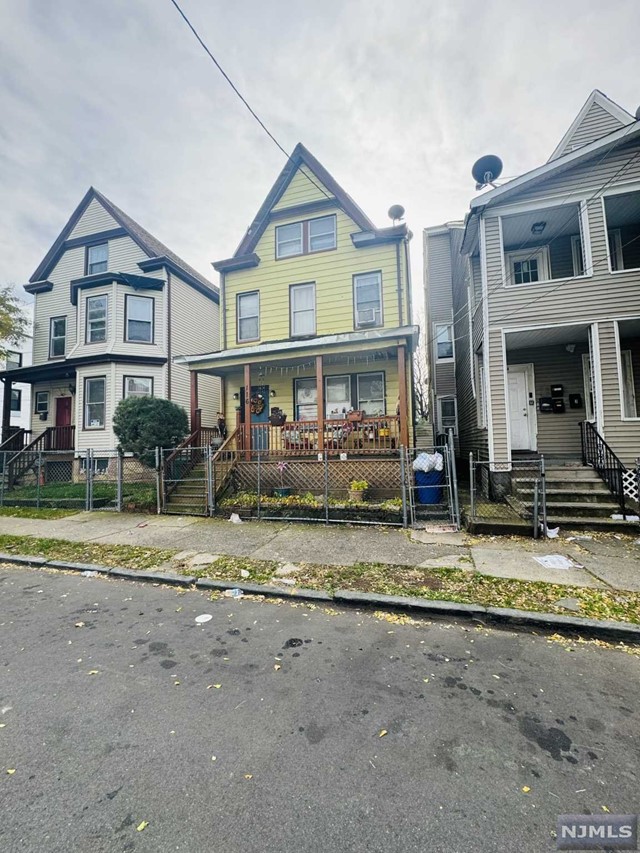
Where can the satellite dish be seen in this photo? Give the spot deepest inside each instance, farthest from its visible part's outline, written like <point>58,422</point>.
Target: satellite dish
<point>638,114</point>
<point>396,212</point>
<point>486,170</point>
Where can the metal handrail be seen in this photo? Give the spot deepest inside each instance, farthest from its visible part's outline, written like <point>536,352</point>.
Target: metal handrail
<point>597,453</point>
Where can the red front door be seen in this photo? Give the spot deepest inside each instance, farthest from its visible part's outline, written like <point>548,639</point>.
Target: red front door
<point>63,411</point>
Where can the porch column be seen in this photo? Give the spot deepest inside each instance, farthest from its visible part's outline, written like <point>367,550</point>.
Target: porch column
<point>6,410</point>
<point>402,396</point>
<point>194,401</point>
<point>320,402</point>
<point>247,411</point>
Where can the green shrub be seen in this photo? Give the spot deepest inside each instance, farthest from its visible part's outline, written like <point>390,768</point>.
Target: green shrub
<point>143,423</point>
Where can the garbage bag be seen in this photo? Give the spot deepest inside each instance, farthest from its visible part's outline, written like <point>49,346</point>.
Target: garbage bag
<point>428,462</point>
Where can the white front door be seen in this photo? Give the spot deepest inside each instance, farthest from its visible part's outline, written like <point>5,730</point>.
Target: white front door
<point>521,414</point>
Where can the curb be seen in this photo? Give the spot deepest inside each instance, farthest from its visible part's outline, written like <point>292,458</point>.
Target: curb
<point>476,612</point>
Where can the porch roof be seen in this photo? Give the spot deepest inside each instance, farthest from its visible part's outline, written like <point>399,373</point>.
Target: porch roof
<point>274,350</point>
<point>65,369</point>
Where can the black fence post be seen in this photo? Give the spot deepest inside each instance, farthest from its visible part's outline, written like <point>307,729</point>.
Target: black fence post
<point>119,478</point>
<point>472,489</point>
<point>159,501</point>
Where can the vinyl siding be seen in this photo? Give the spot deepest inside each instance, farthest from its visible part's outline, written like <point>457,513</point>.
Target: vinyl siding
<point>597,123</point>
<point>301,190</point>
<point>56,389</point>
<point>622,436</point>
<point>94,219</point>
<point>56,303</point>
<point>194,329</point>
<point>558,434</point>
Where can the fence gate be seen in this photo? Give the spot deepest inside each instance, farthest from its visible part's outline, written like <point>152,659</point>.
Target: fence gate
<point>185,484</point>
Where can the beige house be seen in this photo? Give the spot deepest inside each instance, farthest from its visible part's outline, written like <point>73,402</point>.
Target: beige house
<point>111,306</point>
<point>533,305</point>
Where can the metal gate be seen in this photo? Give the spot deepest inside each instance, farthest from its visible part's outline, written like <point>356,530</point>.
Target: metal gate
<point>186,481</point>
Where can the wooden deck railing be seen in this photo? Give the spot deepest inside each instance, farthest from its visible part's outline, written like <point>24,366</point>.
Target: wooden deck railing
<point>301,438</point>
<point>53,438</point>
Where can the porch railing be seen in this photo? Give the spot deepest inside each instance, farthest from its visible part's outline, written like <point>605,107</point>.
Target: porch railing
<point>302,438</point>
<point>53,438</point>
<point>597,453</point>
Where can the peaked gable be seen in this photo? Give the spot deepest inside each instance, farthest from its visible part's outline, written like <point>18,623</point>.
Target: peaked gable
<point>302,166</point>
<point>113,223</point>
<point>598,117</point>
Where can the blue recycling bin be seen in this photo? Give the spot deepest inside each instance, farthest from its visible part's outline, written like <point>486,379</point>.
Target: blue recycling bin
<point>429,486</point>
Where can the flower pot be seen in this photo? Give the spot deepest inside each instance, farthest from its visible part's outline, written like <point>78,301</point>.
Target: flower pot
<point>354,417</point>
<point>357,495</point>
<point>282,492</point>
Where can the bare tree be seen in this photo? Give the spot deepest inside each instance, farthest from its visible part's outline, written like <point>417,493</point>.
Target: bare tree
<point>421,374</point>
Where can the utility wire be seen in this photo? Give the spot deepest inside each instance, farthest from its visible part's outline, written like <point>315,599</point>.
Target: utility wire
<point>241,96</point>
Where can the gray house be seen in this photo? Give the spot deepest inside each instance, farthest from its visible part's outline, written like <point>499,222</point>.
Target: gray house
<point>533,309</point>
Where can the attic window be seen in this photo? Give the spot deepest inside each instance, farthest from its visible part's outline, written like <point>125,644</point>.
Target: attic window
<point>97,258</point>
<point>305,238</point>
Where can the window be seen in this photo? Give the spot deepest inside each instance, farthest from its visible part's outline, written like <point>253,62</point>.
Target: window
<point>100,465</point>
<point>139,319</point>
<point>96,319</point>
<point>528,267</point>
<point>576,255</point>
<point>42,402</point>
<point>138,386</point>
<point>302,298</point>
<point>337,396</point>
<point>447,414</point>
<point>303,238</point>
<point>444,341</point>
<point>306,394</point>
<point>16,400</point>
<point>367,299</point>
<point>94,402</point>
<point>248,308</point>
<point>628,386</point>
<point>97,258</point>
<point>13,360</point>
<point>615,250</point>
<point>57,337</point>
<point>622,216</point>
<point>371,396</point>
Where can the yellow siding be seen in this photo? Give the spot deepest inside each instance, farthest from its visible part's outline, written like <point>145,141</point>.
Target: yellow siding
<point>301,190</point>
<point>332,271</point>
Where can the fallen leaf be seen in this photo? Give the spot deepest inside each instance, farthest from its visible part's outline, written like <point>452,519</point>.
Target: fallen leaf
<point>141,826</point>
<point>12,770</point>
<point>248,775</point>
<point>217,686</point>
<point>382,733</point>
<point>80,624</point>
<point>605,809</point>
<point>93,672</point>
<point>176,683</point>
<point>426,680</point>
<point>277,666</point>
<point>525,789</point>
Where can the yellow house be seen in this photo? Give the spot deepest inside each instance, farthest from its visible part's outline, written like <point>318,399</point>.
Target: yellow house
<point>316,331</point>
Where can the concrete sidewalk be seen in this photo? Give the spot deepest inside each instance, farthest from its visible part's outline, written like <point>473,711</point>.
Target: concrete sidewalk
<point>601,560</point>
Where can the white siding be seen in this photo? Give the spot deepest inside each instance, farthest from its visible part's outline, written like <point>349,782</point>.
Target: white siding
<point>93,220</point>
<point>55,389</point>
<point>596,123</point>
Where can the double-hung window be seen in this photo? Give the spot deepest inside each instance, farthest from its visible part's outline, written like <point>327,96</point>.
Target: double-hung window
<point>444,341</point>
<point>96,319</point>
<point>42,403</point>
<point>97,258</point>
<point>303,309</point>
<point>139,319</point>
<point>307,237</point>
<point>447,414</point>
<point>138,386</point>
<point>16,399</point>
<point>367,299</point>
<point>57,337</point>
<point>94,402</point>
<point>13,360</point>
<point>248,310</point>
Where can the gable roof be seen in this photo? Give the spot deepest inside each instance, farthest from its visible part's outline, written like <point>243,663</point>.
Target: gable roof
<point>299,158</point>
<point>598,117</point>
<point>149,244</point>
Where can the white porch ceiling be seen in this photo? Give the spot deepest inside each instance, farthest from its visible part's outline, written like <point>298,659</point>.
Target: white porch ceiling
<point>554,336</point>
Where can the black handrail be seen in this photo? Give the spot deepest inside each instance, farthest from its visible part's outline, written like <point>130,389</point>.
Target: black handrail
<point>597,453</point>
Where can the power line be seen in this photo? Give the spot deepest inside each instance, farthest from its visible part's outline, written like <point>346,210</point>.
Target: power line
<point>241,96</point>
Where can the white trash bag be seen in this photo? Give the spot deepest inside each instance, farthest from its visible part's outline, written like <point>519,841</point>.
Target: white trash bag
<point>428,462</point>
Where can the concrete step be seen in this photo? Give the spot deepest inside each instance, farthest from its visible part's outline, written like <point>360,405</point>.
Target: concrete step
<point>184,489</point>
<point>188,500</point>
<point>185,510</point>
<point>570,474</point>
<point>576,509</point>
<point>570,495</point>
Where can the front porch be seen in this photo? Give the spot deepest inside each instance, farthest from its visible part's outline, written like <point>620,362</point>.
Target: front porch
<point>309,398</point>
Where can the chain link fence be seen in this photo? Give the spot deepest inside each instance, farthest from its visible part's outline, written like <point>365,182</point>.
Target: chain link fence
<point>508,494</point>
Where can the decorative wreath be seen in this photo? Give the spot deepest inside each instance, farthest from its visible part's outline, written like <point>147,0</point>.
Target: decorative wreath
<point>257,404</point>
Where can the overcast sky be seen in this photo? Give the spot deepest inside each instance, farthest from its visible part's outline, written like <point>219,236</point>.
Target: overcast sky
<point>397,98</point>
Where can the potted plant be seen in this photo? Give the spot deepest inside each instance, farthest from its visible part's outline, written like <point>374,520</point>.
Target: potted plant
<point>283,491</point>
<point>277,417</point>
<point>358,490</point>
<point>354,416</point>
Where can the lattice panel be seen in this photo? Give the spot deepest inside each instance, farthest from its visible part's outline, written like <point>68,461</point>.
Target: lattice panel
<point>630,484</point>
<point>309,476</point>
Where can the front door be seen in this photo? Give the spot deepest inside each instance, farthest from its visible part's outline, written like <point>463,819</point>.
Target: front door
<point>521,414</point>
<point>63,411</point>
<point>259,416</point>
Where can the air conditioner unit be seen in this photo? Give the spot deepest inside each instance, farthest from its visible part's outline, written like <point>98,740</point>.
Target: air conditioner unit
<point>367,317</point>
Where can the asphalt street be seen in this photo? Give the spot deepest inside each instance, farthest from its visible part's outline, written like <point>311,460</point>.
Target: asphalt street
<point>286,727</point>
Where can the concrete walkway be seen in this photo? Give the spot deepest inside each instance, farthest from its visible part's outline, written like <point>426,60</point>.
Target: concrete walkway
<point>600,560</point>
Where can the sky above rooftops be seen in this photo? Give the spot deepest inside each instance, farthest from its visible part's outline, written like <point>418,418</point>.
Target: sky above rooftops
<point>396,99</point>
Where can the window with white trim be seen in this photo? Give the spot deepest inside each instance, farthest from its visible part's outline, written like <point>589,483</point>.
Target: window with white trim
<point>100,464</point>
<point>57,337</point>
<point>444,341</point>
<point>371,396</point>
<point>97,258</point>
<point>307,237</point>
<point>41,403</point>
<point>622,215</point>
<point>139,319</point>
<point>302,299</point>
<point>248,310</point>
<point>447,414</point>
<point>138,386</point>
<point>528,267</point>
<point>96,319</point>
<point>367,299</point>
<point>95,389</point>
